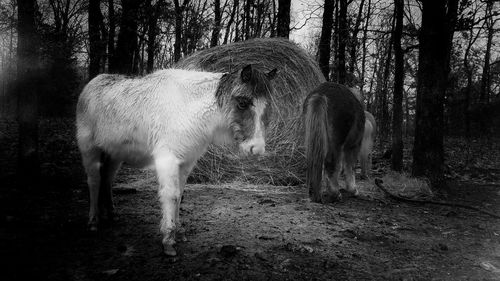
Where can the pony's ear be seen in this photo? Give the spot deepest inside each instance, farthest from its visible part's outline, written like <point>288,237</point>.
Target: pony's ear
<point>272,74</point>
<point>246,73</point>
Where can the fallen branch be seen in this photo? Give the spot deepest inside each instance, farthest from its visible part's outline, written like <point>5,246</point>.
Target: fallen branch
<point>379,184</point>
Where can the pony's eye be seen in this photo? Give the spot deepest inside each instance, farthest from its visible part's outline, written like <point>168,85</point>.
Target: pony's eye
<point>243,104</point>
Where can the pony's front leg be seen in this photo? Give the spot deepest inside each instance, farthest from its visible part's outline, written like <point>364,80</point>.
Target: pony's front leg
<point>167,169</point>
<point>185,170</point>
<point>109,168</point>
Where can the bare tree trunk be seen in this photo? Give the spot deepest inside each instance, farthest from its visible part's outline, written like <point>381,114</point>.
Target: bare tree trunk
<point>185,33</point>
<point>143,49</point>
<point>248,19</point>
<point>178,31</point>
<point>95,43</point>
<point>469,73</point>
<point>217,24</point>
<point>343,37</point>
<point>27,86</point>
<point>151,39</point>
<point>137,60</point>
<point>178,28</point>
<point>272,20</point>
<point>436,34</point>
<point>381,103</point>
<point>354,39</point>
<point>397,114</point>
<point>126,47</point>
<point>375,74</point>
<point>325,39</point>
<point>103,43</point>
<point>468,90</point>
<point>111,33</point>
<point>258,12</point>
<point>363,59</point>
<point>284,18</point>
<point>335,42</point>
<point>485,77</point>
<point>237,25</point>
<point>407,114</point>
<point>152,33</point>
<point>231,20</point>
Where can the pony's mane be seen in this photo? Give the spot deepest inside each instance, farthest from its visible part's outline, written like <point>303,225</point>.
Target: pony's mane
<point>193,81</point>
<point>259,85</point>
<point>186,76</point>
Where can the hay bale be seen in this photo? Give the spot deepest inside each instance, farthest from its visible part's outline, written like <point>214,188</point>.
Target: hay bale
<point>298,74</point>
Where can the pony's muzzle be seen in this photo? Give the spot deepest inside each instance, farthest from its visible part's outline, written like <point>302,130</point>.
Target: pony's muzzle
<point>253,147</point>
<point>257,149</point>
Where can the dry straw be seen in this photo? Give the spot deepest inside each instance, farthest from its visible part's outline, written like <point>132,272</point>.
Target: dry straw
<point>298,74</point>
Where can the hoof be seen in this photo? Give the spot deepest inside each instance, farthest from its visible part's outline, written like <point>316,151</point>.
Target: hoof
<point>331,197</point>
<point>169,250</point>
<point>316,198</point>
<point>356,192</point>
<point>93,227</point>
<point>353,192</point>
<point>108,218</point>
<point>182,237</point>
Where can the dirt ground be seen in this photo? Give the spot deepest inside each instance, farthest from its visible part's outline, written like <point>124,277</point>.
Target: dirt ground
<point>240,232</point>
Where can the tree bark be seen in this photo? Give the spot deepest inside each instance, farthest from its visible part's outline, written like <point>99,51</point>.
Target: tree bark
<point>343,37</point>
<point>485,77</point>
<point>27,86</point>
<point>273,19</point>
<point>284,18</point>
<point>363,59</point>
<point>111,32</point>
<point>95,43</point>
<point>152,32</point>
<point>178,28</point>
<point>126,47</point>
<point>435,41</point>
<point>354,38</point>
<point>325,39</point>
<point>469,72</point>
<point>238,34</point>
<point>217,24</point>
<point>231,20</point>
<point>381,92</point>
<point>248,19</point>
<point>397,114</point>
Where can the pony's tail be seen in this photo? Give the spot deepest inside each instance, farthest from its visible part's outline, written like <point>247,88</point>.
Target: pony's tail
<point>316,141</point>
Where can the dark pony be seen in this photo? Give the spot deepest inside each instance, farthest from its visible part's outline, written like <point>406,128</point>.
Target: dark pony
<point>334,125</point>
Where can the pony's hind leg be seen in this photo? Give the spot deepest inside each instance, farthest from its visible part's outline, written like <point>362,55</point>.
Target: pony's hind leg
<point>168,171</point>
<point>91,159</point>
<point>333,167</point>
<point>109,168</point>
<point>350,158</point>
<point>365,158</point>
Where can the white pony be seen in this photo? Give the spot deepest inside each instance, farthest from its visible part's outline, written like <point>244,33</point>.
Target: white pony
<point>166,120</point>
